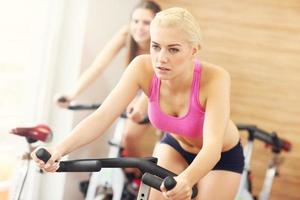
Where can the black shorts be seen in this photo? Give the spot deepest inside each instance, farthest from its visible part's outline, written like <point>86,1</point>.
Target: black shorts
<point>231,160</point>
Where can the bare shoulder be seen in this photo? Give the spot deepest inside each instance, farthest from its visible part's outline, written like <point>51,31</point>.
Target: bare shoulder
<point>124,30</point>
<point>142,63</point>
<point>121,35</point>
<point>212,73</point>
<point>143,70</point>
<point>213,80</point>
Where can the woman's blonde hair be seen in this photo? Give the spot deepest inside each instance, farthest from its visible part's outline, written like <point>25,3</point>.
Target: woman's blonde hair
<point>180,17</point>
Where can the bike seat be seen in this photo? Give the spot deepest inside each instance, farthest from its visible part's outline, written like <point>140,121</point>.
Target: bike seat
<point>40,132</point>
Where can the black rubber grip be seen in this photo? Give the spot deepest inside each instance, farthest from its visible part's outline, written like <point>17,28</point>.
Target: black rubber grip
<point>169,183</point>
<point>62,99</point>
<point>152,181</point>
<point>43,155</point>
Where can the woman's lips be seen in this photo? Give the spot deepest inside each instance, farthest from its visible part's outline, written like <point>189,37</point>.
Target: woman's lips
<point>163,68</point>
<point>140,34</point>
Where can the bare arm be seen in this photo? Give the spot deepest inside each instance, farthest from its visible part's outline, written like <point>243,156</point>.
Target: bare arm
<point>100,63</point>
<point>98,122</point>
<point>216,120</point>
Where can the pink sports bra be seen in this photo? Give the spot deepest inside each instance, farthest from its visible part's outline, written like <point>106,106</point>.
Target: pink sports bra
<point>189,125</point>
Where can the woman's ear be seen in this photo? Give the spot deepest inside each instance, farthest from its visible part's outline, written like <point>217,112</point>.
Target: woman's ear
<point>195,50</point>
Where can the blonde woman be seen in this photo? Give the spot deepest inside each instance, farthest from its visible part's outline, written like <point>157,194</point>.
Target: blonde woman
<point>189,99</point>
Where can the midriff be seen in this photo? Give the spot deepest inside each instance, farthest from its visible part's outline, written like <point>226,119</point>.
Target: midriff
<point>194,145</point>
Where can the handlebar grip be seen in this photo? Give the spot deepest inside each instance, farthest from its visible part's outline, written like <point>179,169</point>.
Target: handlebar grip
<point>152,181</point>
<point>246,127</point>
<point>43,154</point>
<point>62,99</point>
<point>169,183</point>
<point>144,121</point>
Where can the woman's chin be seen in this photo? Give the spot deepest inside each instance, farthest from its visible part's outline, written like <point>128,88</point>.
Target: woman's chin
<point>162,76</point>
<point>140,39</point>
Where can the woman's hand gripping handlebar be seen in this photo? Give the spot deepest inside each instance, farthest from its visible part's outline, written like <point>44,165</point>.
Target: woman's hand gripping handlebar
<point>154,175</point>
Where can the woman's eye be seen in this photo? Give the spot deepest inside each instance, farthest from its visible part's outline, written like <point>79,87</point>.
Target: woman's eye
<point>155,47</point>
<point>173,50</point>
<point>146,22</point>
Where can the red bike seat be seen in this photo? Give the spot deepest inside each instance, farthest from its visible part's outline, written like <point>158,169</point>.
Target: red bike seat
<point>40,132</point>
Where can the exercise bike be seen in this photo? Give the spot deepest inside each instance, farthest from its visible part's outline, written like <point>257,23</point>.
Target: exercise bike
<point>277,146</point>
<point>111,183</point>
<point>24,175</point>
<point>153,175</point>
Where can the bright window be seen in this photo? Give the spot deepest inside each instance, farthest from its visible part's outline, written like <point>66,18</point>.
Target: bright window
<point>23,36</point>
<point>28,30</point>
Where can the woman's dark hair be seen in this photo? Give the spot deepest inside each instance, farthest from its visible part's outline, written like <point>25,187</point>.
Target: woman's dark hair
<point>132,44</point>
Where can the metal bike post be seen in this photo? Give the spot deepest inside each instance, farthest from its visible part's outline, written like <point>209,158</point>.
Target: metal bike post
<point>144,192</point>
<point>108,180</point>
<point>243,192</point>
<point>270,174</point>
<point>24,177</point>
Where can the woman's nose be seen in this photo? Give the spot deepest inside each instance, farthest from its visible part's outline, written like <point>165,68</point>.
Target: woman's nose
<point>162,57</point>
<point>139,25</point>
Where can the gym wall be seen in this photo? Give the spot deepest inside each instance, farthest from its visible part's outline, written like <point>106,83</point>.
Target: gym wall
<point>258,42</point>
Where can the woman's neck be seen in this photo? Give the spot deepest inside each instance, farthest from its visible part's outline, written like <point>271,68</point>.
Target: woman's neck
<point>181,82</point>
<point>144,47</point>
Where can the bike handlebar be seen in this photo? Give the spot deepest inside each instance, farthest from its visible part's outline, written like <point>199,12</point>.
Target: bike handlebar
<point>169,183</point>
<point>95,106</point>
<point>153,176</point>
<point>84,107</point>
<point>272,139</point>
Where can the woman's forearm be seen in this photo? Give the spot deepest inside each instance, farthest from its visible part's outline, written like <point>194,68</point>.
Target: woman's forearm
<point>202,164</point>
<point>88,77</point>
<point>105,57</point>
<point>85,132</point>
<point>99,121</point>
